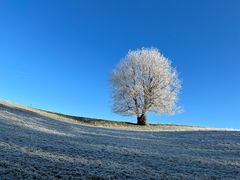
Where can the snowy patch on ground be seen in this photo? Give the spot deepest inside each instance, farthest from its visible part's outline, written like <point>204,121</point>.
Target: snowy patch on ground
<point>34,146</point>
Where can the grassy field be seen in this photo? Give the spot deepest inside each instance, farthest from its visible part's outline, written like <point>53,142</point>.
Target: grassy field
<point>36,144</point>
<point>107,123</point>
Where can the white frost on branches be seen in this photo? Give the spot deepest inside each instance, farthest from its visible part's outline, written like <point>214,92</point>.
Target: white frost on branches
<point>143,82</point>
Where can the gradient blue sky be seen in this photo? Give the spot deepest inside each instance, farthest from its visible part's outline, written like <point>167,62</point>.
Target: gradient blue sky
<point>58,55</point>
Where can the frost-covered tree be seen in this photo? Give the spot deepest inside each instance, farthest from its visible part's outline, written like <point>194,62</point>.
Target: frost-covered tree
<point>144,82</point>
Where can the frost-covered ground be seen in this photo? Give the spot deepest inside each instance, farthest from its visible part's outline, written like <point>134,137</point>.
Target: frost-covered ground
<point>34,146</point>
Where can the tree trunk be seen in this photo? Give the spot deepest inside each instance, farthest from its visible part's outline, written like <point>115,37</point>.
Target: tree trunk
<point>142,120</point>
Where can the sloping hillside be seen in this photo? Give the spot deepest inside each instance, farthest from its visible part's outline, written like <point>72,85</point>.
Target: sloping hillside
<point>105,123</point>
<point>38,144</point>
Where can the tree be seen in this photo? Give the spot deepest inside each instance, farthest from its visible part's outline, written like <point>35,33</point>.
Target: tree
<point>144,82</point>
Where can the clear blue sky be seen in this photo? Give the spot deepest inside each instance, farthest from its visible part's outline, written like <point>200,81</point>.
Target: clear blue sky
<point>58,55</point>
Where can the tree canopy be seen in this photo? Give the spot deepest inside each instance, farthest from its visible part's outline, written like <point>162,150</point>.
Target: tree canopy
<point>144,81</point>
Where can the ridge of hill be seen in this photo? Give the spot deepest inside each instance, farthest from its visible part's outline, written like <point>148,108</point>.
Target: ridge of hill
<point>106,123</point>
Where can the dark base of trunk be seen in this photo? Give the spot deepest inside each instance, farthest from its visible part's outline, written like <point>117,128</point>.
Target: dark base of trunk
<point>142,120</point>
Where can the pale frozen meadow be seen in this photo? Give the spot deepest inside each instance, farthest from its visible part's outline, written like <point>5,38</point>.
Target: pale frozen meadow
<point>33,146</point>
